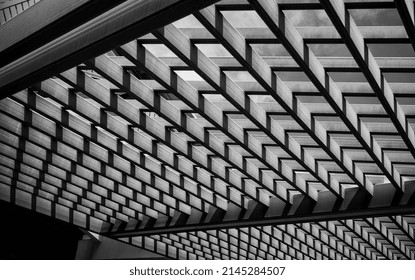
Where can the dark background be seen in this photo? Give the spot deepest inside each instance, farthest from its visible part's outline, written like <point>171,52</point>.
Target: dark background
<point>25,234</point>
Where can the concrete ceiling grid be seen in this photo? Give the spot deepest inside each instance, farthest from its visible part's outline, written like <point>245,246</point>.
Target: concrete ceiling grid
<point>154,141</point>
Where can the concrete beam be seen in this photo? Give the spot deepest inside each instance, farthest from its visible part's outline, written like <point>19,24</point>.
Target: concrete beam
<point>315,34</point>
<point>120,25</point>
<point>386,201</point>
<point>44,22</point>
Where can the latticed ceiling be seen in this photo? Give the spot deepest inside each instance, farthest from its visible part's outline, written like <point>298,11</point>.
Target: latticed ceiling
<point>249,129</point>
<point>11,8</point>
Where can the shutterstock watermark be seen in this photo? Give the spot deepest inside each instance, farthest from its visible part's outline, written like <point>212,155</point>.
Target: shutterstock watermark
<point>150,271</point>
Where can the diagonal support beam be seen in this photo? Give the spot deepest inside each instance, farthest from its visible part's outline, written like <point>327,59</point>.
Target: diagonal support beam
<point>406,11</point>
<point>283,29</point>
<point>217,147</point>
<point>259,69</point>
<point>181,45</point>
<point>215,116</point>
<point>347,28</point>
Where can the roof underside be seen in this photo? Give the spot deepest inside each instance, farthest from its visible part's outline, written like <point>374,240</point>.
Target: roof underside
<point>11,8</point>
<point>248,129</point>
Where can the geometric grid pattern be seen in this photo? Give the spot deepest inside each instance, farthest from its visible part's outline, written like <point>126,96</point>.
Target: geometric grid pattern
<point>222,141</point>
<point>11,8</point>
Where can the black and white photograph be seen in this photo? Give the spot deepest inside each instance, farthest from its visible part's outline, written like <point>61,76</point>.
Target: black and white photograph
<point>207,130</point>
